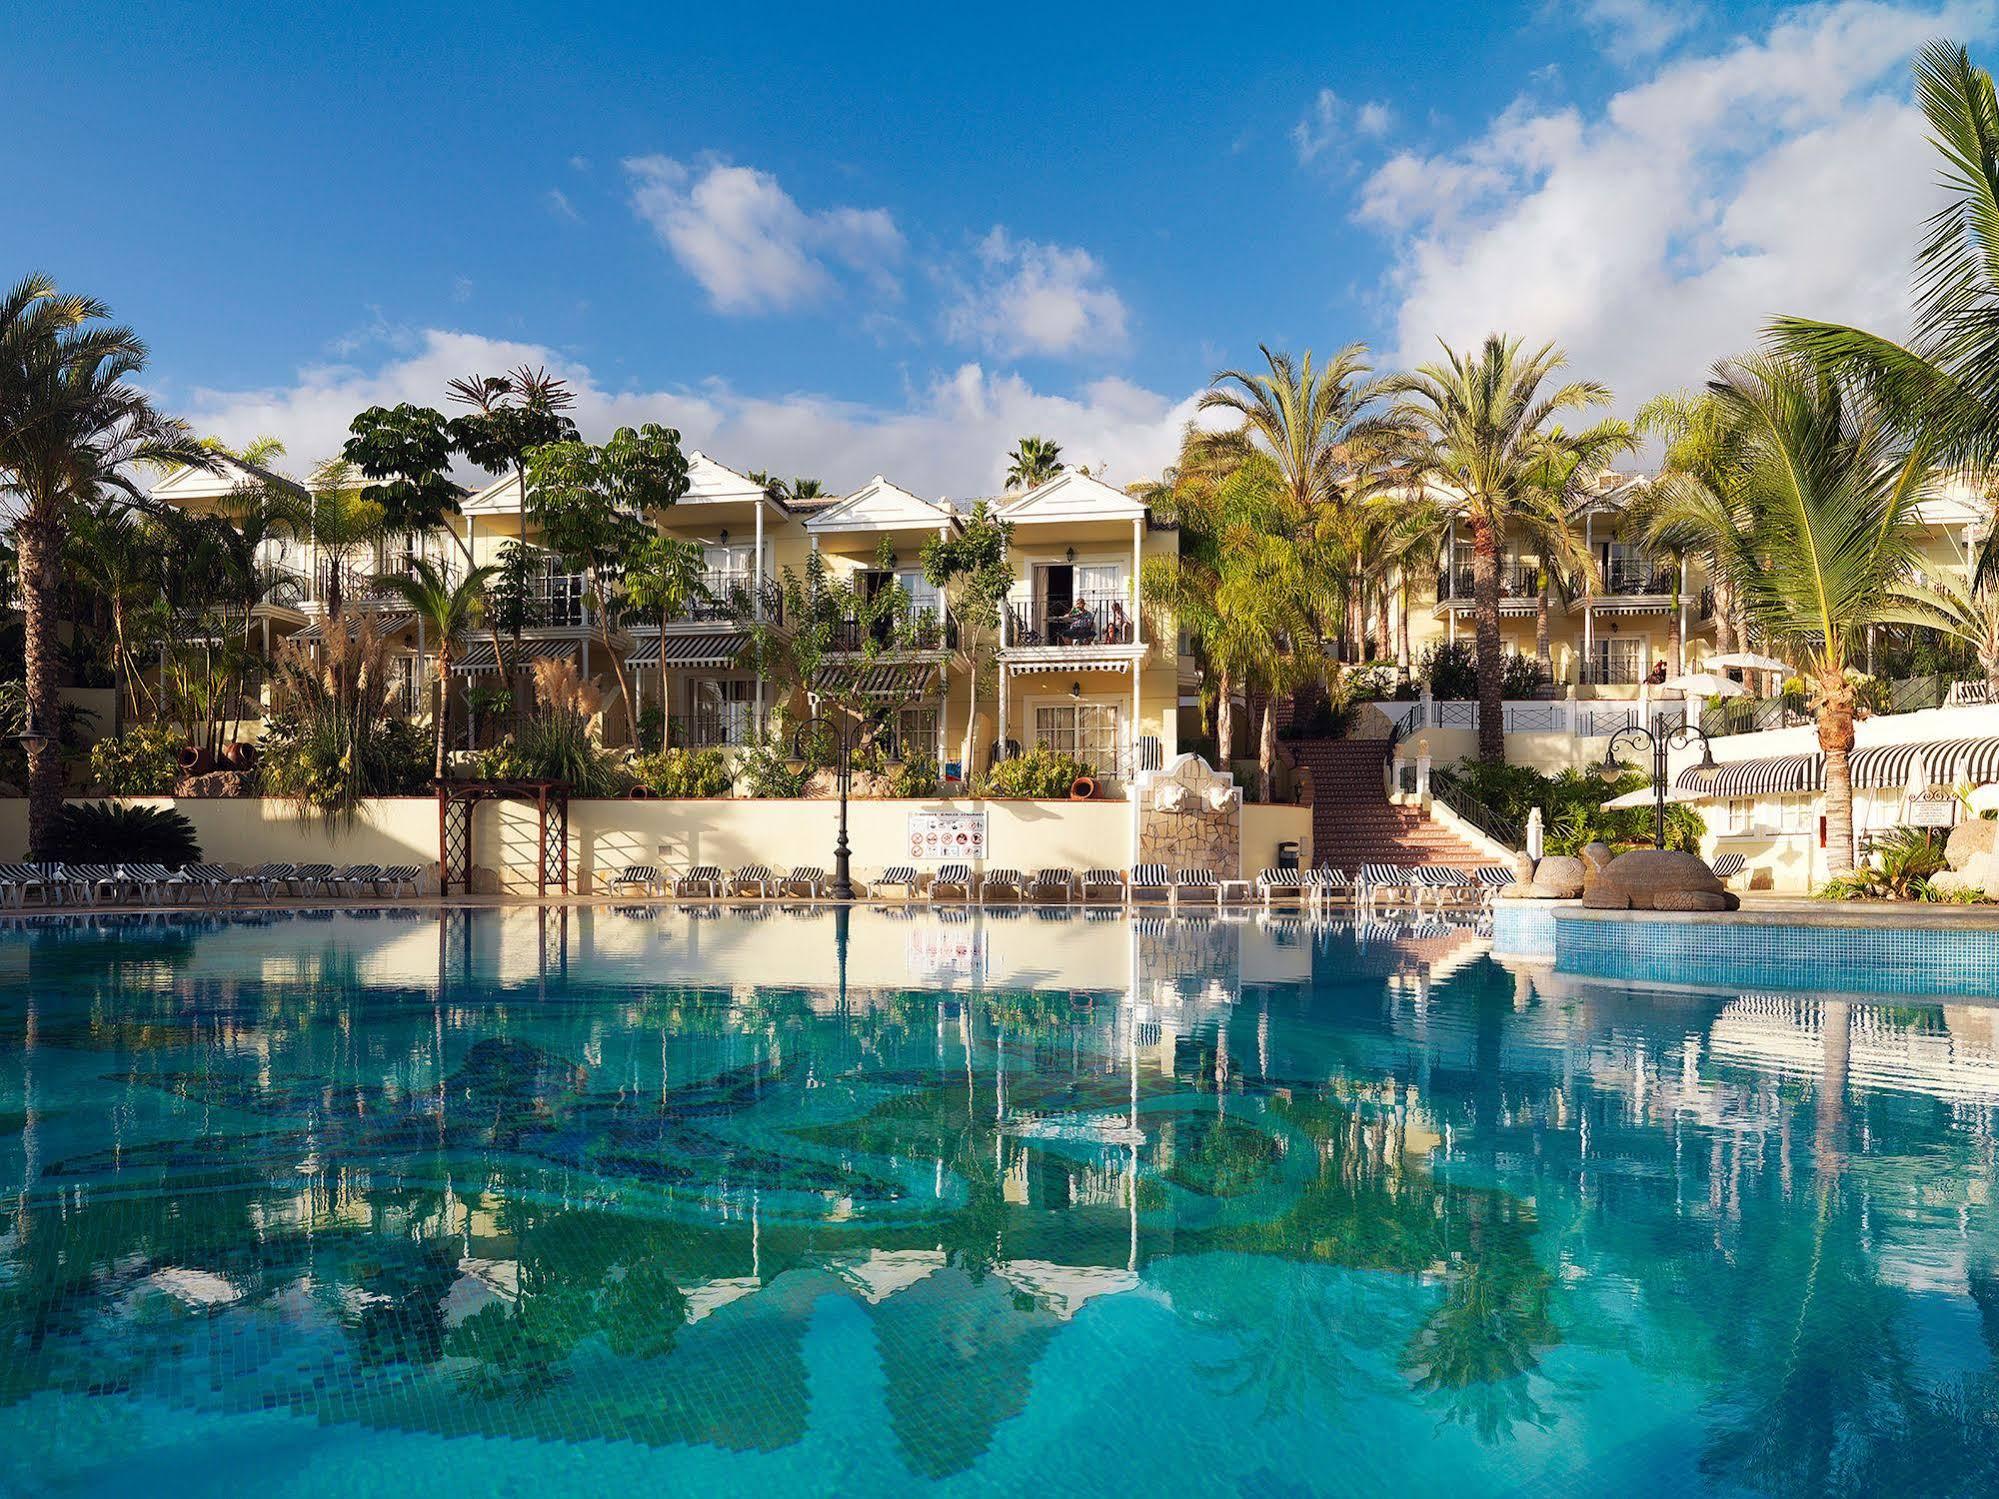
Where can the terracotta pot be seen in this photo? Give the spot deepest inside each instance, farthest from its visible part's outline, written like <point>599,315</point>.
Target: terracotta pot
<point>641,794</point>
<point>1083,788</point>
<point>194,760</point>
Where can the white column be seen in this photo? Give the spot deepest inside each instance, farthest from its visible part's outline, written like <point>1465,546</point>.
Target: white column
<point>1131,785</point>
<point>1137,558</point>
<point>757,608</point>
<point>1683,614</point>
<point>1003,684</point>
<point>1589,603</point>
<point>1137,677</point>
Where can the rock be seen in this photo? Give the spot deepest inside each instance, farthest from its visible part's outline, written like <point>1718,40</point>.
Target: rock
<point>1956,882</point>
<point>1969,839</point>
<point>1691,900</point>
<point>1637,880</point>
<point>1979,872</point>
<point>1561,876</point>
<point>1528,890</point>
<point>216,783</point>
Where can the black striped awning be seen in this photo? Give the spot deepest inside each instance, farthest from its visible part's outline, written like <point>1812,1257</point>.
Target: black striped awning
<point>385,624</point>
<point>706,648</point>
<point>1780,775</point>
<point>1954,761</point>
<point>891,679</point>
<point>481,655</point>
<point>1884,765</point>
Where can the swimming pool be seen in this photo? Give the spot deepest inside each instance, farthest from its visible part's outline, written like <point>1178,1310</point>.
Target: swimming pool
<point>574,1202</point>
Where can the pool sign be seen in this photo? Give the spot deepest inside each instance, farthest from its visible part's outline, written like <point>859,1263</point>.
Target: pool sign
<point>948,837</point>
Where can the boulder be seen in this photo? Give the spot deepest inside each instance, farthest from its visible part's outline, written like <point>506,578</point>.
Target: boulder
<point>1560,876</point>
<point>1956,882</point>
<point>216,783</point>
<point>1969,839</point>
<point>1636,881</point>
<point>1528,890</point>
<point>1979,872</point>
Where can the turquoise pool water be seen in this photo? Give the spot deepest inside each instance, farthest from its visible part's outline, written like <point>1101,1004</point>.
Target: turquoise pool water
<point>587,1204</point>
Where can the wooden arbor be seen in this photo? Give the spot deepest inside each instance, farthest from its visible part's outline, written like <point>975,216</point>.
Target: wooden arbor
<point>458,805</point>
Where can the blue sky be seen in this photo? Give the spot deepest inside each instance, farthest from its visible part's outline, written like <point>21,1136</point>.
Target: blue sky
<point>891,241</point>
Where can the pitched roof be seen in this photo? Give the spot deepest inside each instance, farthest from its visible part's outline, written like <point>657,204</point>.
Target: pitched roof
<point>1073,495</point>
<point>877,506</point>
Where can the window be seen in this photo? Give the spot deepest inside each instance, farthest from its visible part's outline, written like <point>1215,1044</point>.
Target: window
<point>1794,813</point>
<point>1741,815</point>
<point>915,733</point>
<point>1089,731</point>
<point>1619,658</point>
<point>723,710</point>
<point>923,594</point>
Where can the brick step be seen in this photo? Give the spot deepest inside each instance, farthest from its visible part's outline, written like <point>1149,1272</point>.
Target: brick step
<point>1354,823</point>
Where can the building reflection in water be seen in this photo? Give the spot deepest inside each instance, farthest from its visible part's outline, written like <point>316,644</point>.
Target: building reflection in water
<point>558,1174</point>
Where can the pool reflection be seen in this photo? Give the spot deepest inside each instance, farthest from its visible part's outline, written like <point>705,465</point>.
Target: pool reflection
<point>579,1175</point>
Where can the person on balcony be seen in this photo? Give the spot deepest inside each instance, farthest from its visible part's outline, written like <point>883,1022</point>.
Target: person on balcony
<point>1117,629</point>
<point>1079,625</point>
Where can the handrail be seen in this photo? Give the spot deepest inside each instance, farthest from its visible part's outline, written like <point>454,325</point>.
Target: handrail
<point>1446,788</point>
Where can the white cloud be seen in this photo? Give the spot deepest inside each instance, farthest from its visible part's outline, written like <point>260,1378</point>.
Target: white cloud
<point>557,203</point>
<point>1033,298</point>
<point>1331,119</point>
<point>746,240</point>
<point>1632,29</point>
<point>949,436</point>
<point>1786,173</point>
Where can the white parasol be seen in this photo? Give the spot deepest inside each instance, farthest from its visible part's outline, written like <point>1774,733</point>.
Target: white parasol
<point>1747,661</point>
<point>1646,796</point>
<point>1705,684</point>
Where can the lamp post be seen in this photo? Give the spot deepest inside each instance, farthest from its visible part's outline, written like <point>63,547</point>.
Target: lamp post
<point>846,739</point>
<point>1661,741</point>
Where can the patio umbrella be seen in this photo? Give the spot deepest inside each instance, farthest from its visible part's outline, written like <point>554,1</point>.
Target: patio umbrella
<point>1645,796</point>
<point>1705,684</point>
<point>1746,661</point>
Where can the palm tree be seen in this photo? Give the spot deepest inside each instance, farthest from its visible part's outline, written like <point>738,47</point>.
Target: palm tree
<point>1944,383</point>
<point>1829,540</point>
<point>1245,584</point>
<point>1695,502</point>
<point>1033,461</point>
<point>338,523</point>
<point>1555,531</point>
<point>117,555</point>
<point>1953,602</point>
<point>807,489</point>
<point>72,429</point>
<point>1316,424</point>
<point>1488,442</point>
<point>447,610</point>
<point>667,576</point>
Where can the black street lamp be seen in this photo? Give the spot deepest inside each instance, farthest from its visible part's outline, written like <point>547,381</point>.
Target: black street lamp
<point>847,738</point>
<point>1677,737</point>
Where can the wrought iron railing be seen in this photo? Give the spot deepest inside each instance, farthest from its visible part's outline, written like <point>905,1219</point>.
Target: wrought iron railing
<point>1091,619</point>
<point>713,728</point>
<point>1445,787</point>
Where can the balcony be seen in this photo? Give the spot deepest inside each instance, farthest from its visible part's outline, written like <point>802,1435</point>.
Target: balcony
<point>923,632</point>
<point>1093,619</point>
<point>727,727</point>
<point>1639,576</point>
<point>1517,580</point>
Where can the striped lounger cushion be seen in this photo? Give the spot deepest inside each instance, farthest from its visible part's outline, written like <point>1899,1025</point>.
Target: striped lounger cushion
<point>903,875</point>
<point>1151,877</point>
<point>1102,879</point>
<point>1727,866</point>
<point>758,875</point>
<point>956,876</point>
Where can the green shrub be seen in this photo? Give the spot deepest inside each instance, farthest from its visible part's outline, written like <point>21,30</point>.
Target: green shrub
<point>652,725</point>
<point>684,773</point>
<point>1450,668</point>
<point>1039,772</point>
<point>106,833</point>
<point>914,778</point>
<point>764,773</point>
<point>555,746</point>
<point>1571,805</point>
<point>1899,869</point>
<point>143,761</point>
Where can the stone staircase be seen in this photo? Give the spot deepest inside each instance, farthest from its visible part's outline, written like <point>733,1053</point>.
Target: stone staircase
<point>1353,821</point>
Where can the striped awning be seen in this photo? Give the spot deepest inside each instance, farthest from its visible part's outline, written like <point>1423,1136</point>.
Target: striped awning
<point>708,648</point>
<point>1885,765</point>
<point>1780,775</point>
<point>1953,761</point>
<point>385,625</point>
<point>892,679</point>
<point>481,655</point>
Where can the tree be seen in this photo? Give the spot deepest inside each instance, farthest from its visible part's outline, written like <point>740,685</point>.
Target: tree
<point>595,506</point>
<point>338,520</point>
<point>1488,440</point>
<point>970,569</point>
<point>72,428</point>
<point>1943,384</point>
<point>116,552</point>
<point>666,576</point>
<point>1245,584</point>
<point>1695,505</point>
<point>1953,602</point>
<point>511,415</point>
<point>405,453</point>
<point>1034,460</point>
<point>1317,425</point>
<point>1830,538</point>
<point>447,610</point>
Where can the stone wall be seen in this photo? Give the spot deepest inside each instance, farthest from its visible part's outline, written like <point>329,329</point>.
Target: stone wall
<point>1189,817</point>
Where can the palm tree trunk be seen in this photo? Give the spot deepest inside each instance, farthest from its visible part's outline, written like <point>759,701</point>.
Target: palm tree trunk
<point>1266,750</point>
<point>1224,720</point>
<point>1485,598</point>
<point>1544,650</point>
<point>40,543</point>
<point>1402,625</point>
<point>1381,623</point>
<point>1724,614</point>
<point>1836,740</point>
<point>443,699</point>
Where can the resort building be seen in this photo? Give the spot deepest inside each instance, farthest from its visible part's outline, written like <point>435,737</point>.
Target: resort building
<point>1080,667</point>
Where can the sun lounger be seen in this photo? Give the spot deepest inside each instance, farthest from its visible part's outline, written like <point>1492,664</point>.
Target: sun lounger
<point>758,879</point>
<point>901,876</point>
<point>810,876</point>
<point>644,876</point>
<point>1388,880</point>
<point>702,879</point>
<point>16,880</point>
<point>261,879</point>
<point>956,877</point>
<point>1727,866</point>
<point>1449,884</point>
<point>144,881</point>
<point>88,881</point>
<point>1325,886</point>
<point>204,880</point>
<point>313,877</point>
<point>1052,878</point>
<point>1275,882</point>
<point>401,877</point>
<point>1005,880</point>
<point>353,877</point>
<point>1103,879</point>
<point>1199,881</point>
<point>1154,878</point>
